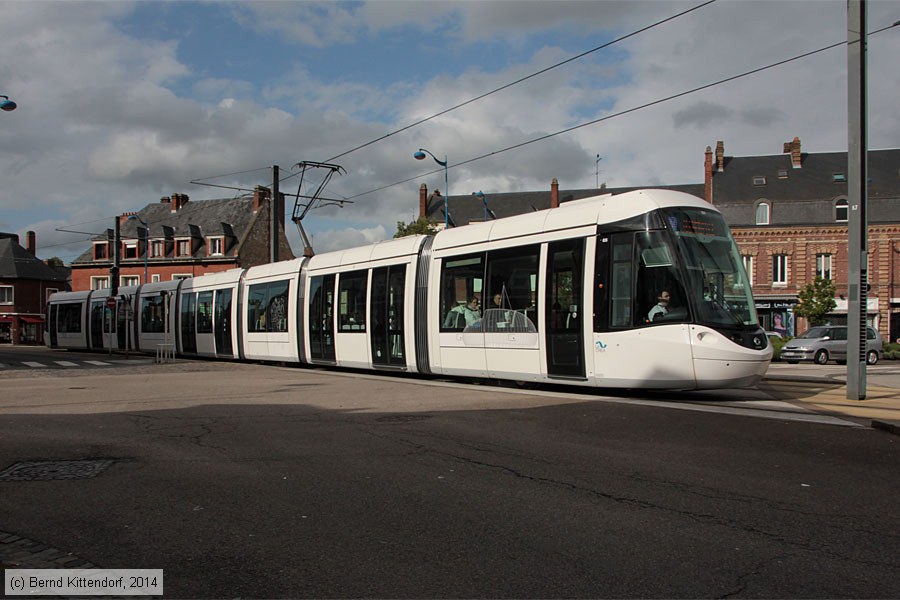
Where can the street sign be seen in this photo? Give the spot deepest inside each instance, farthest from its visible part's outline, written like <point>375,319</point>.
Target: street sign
<point>111,302</point>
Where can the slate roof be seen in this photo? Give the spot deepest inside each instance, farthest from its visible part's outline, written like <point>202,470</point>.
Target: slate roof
<point>806,195</point>
<point>207,216</point>
<point>18,263</point>
<point>470,209</point>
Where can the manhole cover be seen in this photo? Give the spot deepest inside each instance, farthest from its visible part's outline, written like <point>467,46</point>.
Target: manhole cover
<point>49,470</point>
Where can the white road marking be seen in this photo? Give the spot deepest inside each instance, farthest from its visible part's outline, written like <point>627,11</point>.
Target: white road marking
<point>66,363</point>
<point>35,365</point>
<point>99,363</point>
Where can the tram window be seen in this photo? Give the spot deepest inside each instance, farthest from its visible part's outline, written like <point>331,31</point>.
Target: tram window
<point>655,275</point>
<point>461,281</point>
<point>204,312</point>
<point>621,294</point>
<point>152,314</point>
<point>69,318</point>
<point>352,301</point>
<point>267,307</point>
<point>512,287</point>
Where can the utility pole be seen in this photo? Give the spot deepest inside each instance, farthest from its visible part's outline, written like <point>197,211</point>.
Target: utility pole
<point>114,269</point>
<point>857,182</point>
<point>275,209</point>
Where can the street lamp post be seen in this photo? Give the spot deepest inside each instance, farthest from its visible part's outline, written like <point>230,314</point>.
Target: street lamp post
<point>420,155</point>
<point>146,241</point>
<point>480,195</point>
<point>6,104</point>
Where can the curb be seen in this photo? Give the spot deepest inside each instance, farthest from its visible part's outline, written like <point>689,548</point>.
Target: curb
<point>889,426</point>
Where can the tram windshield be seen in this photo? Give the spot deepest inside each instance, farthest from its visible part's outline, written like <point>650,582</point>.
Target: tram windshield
<point>718,286</point>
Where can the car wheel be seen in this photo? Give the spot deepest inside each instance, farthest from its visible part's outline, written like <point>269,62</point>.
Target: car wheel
<point>821,357</point>
<point>871,357</point>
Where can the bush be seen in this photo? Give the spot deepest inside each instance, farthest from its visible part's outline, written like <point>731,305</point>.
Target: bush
<point>777,345</point>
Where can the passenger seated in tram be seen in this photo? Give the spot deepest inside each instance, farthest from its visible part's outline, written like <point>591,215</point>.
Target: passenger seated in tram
<point>464,315</point>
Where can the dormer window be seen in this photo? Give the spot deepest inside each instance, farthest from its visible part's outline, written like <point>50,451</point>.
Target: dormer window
<point>130,249</point>
<point>759,180</point>
<point>841,211</point>
<point>782,173</point>
<point>157,249</point>
<point>762,213</point>
<point>839,177</point>
<point>216,246</point>
<point>101,251</point>
<point>183,248</point>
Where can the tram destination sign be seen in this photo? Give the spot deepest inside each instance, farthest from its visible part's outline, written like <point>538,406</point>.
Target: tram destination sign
<point>696,223</point>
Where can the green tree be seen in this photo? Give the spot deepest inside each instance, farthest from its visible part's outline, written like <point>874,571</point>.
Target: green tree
<point>420,226</point>
<point>816,301</point>
<point>55,261</point>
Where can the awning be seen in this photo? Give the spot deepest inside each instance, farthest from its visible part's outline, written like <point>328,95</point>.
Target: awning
<point>30,319</point>
<point>4,319</point>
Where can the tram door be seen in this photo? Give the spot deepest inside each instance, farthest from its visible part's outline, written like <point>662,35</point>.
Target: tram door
<point>386,318</point>
<point>188,323</point>
<point>54,332</point>
<point>97,318</point>
<point>321,318</point>
<point>223,323</point>
<point>565,308</point>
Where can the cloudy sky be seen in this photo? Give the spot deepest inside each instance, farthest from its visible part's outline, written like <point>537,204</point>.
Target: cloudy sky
<point>121,103</point>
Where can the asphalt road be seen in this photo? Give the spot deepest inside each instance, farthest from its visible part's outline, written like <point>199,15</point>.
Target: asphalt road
<point>261,481</point>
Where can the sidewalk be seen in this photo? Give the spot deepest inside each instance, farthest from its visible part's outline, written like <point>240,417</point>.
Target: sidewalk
<point>828,395</point>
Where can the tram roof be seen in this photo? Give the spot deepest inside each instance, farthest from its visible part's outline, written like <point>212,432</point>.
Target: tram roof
<point>606,208</point>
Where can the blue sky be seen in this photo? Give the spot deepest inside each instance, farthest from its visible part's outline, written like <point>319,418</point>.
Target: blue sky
<point>121,103</point>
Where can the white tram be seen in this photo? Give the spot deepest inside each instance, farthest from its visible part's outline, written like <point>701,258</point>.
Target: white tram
<point>562,295</point>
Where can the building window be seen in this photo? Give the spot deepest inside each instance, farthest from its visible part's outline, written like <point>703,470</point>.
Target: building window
<point>762,213</point>
<point>759,180</point>
<point>99,283</point>
<point>155,278</point>
<point>181,276</point>
<point>131,250</point>
<point>101,251</point>
<point>782,173</point>
<point>157,249</point>
<point>839,177</point>
<point>184,248</point>
<point>779,269</point>
<point>823,266</point>
<point>748,267</point>
<point>127,280</point>
<point>841,211</point>
<point>6,294</point>
<point>215,246</point>
<point>51,291</point>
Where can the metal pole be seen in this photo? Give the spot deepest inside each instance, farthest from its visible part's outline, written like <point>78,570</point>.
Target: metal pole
<point>446,196</point>
<point>117,257</point>
<point>274,206</point>
<point>146,251</point>
<point>857,175</point>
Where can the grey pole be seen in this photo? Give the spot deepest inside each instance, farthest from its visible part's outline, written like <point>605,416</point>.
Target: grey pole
<point>274,210</point>
<point>857,179</point>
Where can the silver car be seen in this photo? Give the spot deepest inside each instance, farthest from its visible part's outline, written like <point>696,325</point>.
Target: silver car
<point>829,342</point>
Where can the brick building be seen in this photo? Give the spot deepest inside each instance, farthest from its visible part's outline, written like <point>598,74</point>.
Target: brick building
<point>788,213</point>
<point>25,284</point>
<point>185,239</point>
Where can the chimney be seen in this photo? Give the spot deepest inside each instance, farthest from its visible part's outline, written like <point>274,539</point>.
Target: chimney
<point>30,243</point>
<point>423,201</point>
<point>260,197</point>
<point>708,175</point>
<point>793,148</point>
<point>165,200</point>
<point>720,156</point>
<point>178,201</point>
<point>554,193</point>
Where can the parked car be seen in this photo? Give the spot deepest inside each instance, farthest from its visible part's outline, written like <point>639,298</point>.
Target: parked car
<point>829,342</point>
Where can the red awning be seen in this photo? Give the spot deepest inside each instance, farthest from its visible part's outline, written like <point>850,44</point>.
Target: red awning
<point>4,319</point>
<point>29,319</point>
